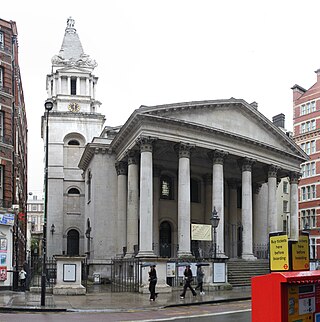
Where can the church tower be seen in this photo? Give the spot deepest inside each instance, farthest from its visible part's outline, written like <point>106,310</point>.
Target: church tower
<point>73,122</point>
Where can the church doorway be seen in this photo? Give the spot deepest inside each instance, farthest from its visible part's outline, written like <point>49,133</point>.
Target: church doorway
<point>165,239</point>
<point>73,242</point>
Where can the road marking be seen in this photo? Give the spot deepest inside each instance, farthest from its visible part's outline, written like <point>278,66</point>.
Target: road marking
<point>193,316</point>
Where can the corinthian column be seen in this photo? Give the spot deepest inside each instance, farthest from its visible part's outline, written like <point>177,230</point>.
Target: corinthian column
<point>122,171</point>
<point>247,240</point>
<point>217,158</point>
<point>133,203</point>
<point>184,215</point>
<point>294,206</point>
<point>146,198</point>
<point>272,198</point>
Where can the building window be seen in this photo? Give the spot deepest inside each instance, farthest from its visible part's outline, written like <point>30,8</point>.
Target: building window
<point>313,125</point>
<point>1,76</point>
<point>308,193</point>
<point>303,127</point>
<point>166,187</point>
<point>312,246</point>
<point>1,40</point>
<point>89,185</point>
<point>195,190</point>
<point>73,142</point>
<point>1,181</point>
<point>285,187</point>
<point>313,106</point>
<point>285,206</point>
<point>73,86</point>
<point>308,148</point>
<point>74,191</point>
<point>1,126</point>
<point>313,168</point>
<point>303,109</point>
<point>313,146</point>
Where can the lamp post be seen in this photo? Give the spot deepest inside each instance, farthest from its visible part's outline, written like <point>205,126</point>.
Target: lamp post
<point>48,106</point>
<point>214,222</point>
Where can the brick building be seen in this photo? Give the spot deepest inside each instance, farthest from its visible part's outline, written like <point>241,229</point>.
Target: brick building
<point>13,157</point>
<point>306,123</point>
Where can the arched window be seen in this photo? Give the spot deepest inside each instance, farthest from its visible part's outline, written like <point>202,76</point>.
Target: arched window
<point>74,191</point>
<point>195,191</point>
<point>73,201</point>
<point>165,239</point>
<point>73,243</point>
<point>73,142</point>
<point>166,187</point>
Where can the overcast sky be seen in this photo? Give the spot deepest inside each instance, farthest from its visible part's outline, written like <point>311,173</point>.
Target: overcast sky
<point>167,51</point>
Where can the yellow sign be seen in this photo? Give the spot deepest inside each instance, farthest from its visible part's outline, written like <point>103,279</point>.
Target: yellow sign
<point>279,253</point>
<point>300,254</point>
<point>201,232</point>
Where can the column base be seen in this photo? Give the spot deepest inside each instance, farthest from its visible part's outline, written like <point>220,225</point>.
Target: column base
<point>146,253</point>
<point>249,257</point>
<point>184,254</point>
<point>129,255</point>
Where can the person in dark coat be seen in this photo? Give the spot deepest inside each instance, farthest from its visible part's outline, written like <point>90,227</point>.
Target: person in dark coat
<point>200,275</point>
<point>153,282</point>
<point>188,278</point>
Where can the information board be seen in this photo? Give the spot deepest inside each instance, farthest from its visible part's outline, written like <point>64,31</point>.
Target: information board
<point>279,253</point>
<point>300,254</point>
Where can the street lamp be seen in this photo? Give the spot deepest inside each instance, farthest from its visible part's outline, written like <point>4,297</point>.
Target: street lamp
<point>48,106</point>
<point>214,222</point>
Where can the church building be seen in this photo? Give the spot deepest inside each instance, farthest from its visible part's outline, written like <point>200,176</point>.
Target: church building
<point>136,190</point>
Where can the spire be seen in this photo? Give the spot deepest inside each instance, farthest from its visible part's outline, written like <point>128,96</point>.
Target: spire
<point>71,52</point>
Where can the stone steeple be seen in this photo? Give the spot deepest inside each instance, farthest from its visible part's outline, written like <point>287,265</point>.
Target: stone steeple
<point>71,52</point>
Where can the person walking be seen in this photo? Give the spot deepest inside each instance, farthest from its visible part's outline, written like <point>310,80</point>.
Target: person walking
<point>22,278</point>
<point>200,275</point>
<point>152,282</point>
<point>188,278</point>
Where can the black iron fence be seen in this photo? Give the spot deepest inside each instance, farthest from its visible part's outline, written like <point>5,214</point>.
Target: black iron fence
<point>35,271</point>
<point>125,275</point>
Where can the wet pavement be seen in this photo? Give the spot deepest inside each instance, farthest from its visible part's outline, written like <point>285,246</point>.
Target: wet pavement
<point>100,298</point>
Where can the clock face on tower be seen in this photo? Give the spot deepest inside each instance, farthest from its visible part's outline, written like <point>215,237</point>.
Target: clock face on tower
<point>74,107</point>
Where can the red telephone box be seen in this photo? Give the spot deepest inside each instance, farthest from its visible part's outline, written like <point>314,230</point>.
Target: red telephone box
<point>286,297</point>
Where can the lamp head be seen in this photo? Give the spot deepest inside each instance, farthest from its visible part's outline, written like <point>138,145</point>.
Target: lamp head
<point>214,218</point>
<point>48,105</point>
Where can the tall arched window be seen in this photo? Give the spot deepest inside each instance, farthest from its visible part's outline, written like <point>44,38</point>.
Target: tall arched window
<point>166,187</point>
<point>165,239</point>
<point>73,242</point>
<point>73,201</point>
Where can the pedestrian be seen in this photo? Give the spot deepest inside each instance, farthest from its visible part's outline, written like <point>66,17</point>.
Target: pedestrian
<point>188,278</point>
<point>22,278</point>
<point>26,269</point>
<point>152,282</point>
<point>200,275</point>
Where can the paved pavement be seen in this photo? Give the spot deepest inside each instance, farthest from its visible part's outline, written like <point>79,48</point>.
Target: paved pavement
<point>100,298</point>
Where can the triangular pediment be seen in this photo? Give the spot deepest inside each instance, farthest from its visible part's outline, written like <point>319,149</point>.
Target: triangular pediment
<point>233,117</point>
<point>72,70</point>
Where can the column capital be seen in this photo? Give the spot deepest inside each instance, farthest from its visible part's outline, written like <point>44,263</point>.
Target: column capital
<point>145,143</point>
<point>295,177</point>
<point>184,149</point>
<point>132,157</point>
<point>272,171</point>
<point>122,168</point>
<point>217,156</point>
<point>246,164</point>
